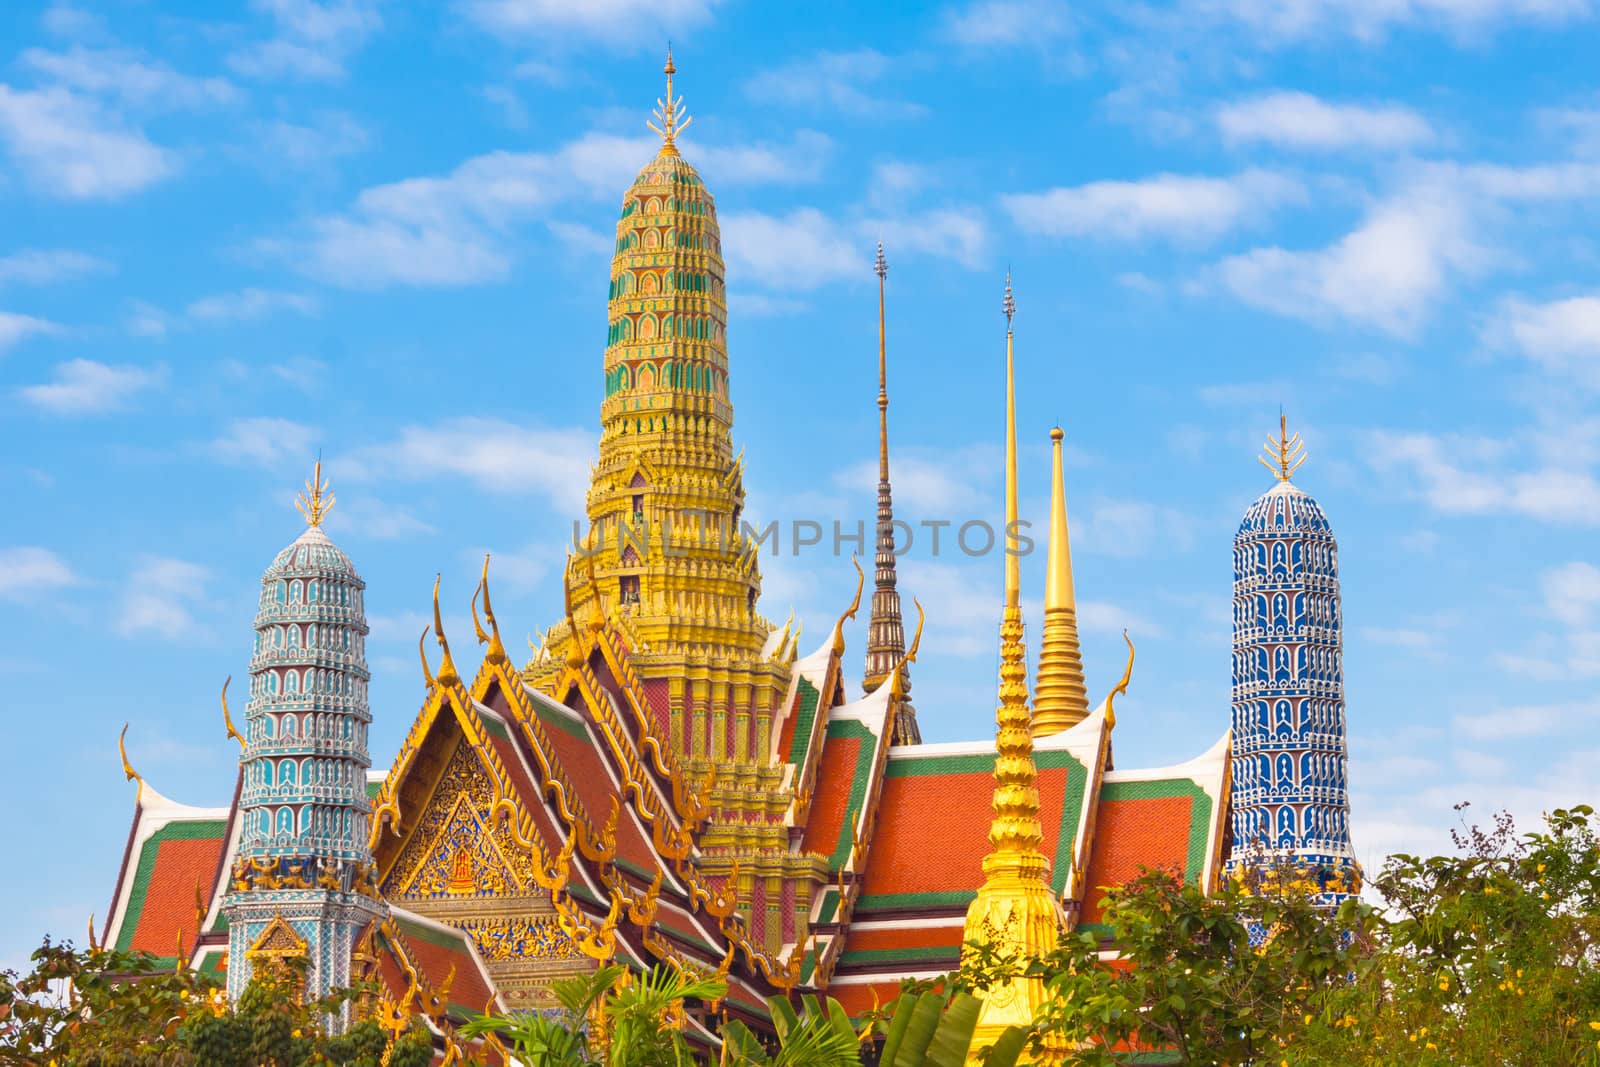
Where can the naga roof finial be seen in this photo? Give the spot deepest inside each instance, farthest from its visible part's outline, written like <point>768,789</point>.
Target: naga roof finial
<point>317,500</point>
<point>447,666</point>
<point>127,768</point>
<point>1283,456</point>
<point>669,112</point>
<point>227,720</point>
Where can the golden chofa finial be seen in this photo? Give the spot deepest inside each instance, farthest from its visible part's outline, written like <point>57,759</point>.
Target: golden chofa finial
<point>317,500</point>
<point>1284,455</point>
<point>127,768</point>
<point>669,112</point>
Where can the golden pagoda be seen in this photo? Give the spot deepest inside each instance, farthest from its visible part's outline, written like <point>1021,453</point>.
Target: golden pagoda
<point>1016,910</point>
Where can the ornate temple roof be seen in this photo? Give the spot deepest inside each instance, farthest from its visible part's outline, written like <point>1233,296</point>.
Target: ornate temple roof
<point>1286,508</point>
<point>312,555</point>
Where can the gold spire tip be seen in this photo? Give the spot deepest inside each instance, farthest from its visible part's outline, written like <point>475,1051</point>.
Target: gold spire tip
<point>669,111</point>
<point>880,266</point>
<point>1057,434</point>
<point>317,500</point>
<point>1010,304</point>
<point>1283,455</point>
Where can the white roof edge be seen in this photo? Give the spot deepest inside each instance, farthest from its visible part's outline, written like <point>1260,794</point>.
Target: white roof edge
<point>1203,767</point>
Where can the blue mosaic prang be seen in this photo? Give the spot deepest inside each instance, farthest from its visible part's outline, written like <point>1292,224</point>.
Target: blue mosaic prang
<point>1290,788</point>
<point>303,806</point>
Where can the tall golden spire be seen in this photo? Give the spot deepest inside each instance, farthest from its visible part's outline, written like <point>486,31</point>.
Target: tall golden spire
<point>1060,698</point>
<point>669,112</point>
<point>1015,910</point>
<point>316,501</point>
<point>886,635</point>
<point>1283,456</point>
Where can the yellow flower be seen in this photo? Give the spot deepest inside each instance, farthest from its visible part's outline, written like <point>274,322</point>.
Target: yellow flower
<point>1594,1026</point>
<point>1308,1020</point>
<point>1444,983</point>
<point>1541,868</point>
<point>1411,1038</point>
<point>1519,972</point>
<point>1432,1047</point>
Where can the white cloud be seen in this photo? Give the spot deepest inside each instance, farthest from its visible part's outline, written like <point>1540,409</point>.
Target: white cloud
<point>960,234</point>
<point>84,387</point>
<point>1386,274</point>
<point>42,266</point>
<point>493,454</point>
<point>377,521</point>
<point>128,77</point>
<point>843,81</point>
<point>757,305</point>
<point>69,146</point>
<point>1300,120</point>
<point>1096,616</point>
<point>314,41</point>
<point>961,602</point>
<point>1424,643</point>
<point>27,570</point>
<point>893,182</point>
<point>1129,529</point>
<point>1562,336</point>
<point>1176,206</point>
<point>161,597</point>
<point>303,146</point>
<point>247,305</point>
<point>1283,21</point>
<point>950,486</point>
<point>631,21</point>
<point>803,160</point>
<point>15,328</point>
<point>264,441</point>
<point>1007,23</point>
<point>1467,476</point>
<point>797,251</point>
<point>1572,592</point>
<point>457,229</point>
<point>1505,724</point>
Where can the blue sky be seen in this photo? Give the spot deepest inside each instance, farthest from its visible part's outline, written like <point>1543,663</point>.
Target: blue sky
<point>234,237</point>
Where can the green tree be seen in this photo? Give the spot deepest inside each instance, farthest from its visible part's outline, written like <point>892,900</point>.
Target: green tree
<point>103,1008</point>
<point>1491,956</point>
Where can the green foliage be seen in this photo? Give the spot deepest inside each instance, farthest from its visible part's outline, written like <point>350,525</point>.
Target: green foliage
<point>1491,956</point>
<point>935,1027</point>
<point>103,1008</point>
<point>815,1036</point>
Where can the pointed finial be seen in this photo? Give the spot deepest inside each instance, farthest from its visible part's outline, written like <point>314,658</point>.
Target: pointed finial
<point>447,666</point>
<point>316,501</point>
<point>669,112</point>
<point>1283,456</point>
<point>127,768</point>
<point>880,266</point>
<point>1010,304</point>
<point>227,720</point>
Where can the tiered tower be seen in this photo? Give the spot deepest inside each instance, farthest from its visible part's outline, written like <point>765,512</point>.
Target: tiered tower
<point>664,544</point>
<point>665,553</point>
<point>886,634</point>
<point>302,884</point>
<point>1291,807</point>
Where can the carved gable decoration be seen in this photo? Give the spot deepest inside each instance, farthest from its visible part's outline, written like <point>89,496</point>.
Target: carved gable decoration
<point>456,850</point>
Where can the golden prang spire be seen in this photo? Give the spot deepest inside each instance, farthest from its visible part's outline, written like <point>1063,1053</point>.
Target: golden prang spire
<point>1015,910</point>
<point>317,500</point>
<point>1060,698</point>
<point>1283,456</point>
<point>669,112</point>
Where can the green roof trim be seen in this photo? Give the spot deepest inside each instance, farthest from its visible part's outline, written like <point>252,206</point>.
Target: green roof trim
<point>866,754</point>
<point>807,698</point>
<point>149,852</point>
<point>914,901</point>
<point>494,726</point>
<point>925,954</point>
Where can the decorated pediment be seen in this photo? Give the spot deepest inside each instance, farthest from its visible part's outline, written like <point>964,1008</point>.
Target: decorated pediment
<point>456,850</point>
